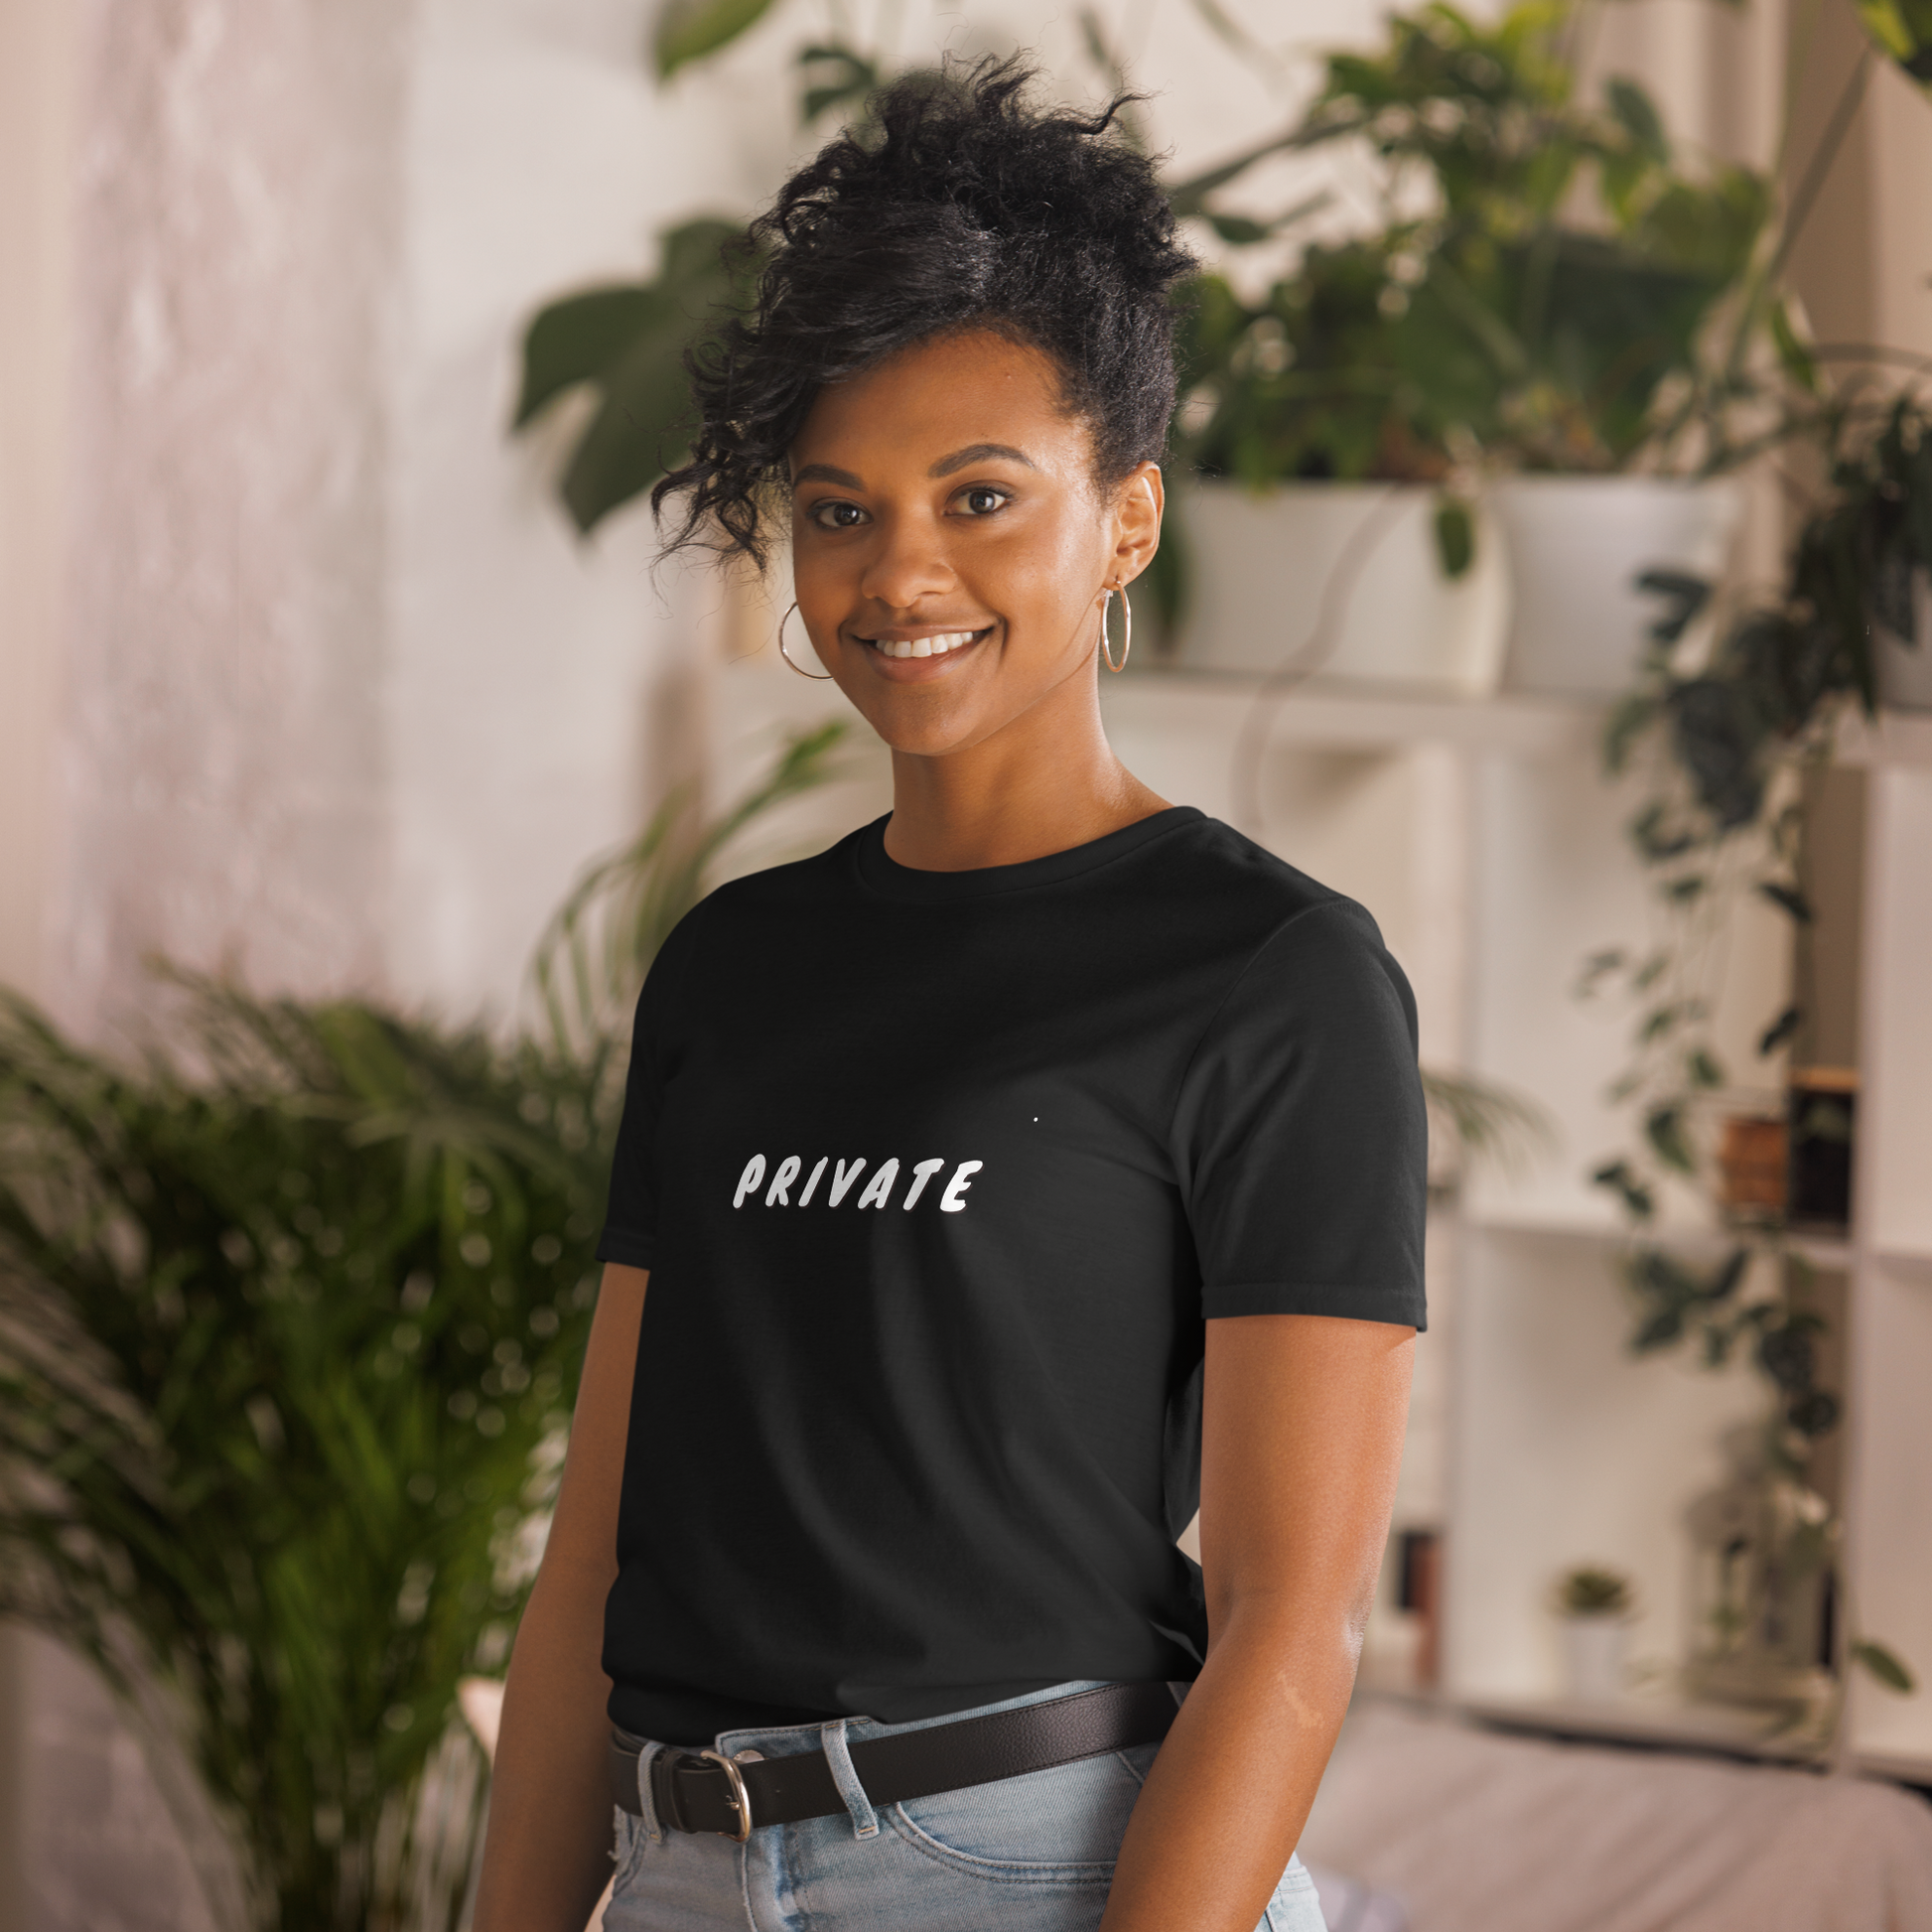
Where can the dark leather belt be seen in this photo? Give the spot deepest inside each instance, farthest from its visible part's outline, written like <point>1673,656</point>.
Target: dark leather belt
<point>696,1791</point>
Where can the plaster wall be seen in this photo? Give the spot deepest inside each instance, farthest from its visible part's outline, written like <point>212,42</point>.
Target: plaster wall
<point>220,762</point>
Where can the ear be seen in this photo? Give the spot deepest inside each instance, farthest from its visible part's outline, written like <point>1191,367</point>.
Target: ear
<point>1138,503</point>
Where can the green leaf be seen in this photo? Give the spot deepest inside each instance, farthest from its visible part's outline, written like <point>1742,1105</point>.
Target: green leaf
<point>1650,972</point>
<point>688,30</point>
<point>1637,114</point>
<point>1903,30</point>
<point>1638,1201</point>
<point>1663,1128</point>
<point>575,339</point>
<point>1884,1665</point>
<point>694,253</point>
<point>1627,722</point>
<point>1778,1032</point>
<point>1794,357</point>
<point>1684,597</point>
<point>1597,968</point>
<point>634,436</point>
<point>1456,536</point>
<point>1701,1069</point>
<point>843,75</point>
<point>1789,898</point>
<point>1724,1284</point>
<point>1658,1330</point>
<point>1190,196</point>
<point>1239,230</point>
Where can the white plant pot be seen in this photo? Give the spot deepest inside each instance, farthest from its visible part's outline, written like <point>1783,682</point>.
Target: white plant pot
<point>1904,671</point>
<point>1577,546</point>
<point>1341,579</point>
<point>1595,1652</point>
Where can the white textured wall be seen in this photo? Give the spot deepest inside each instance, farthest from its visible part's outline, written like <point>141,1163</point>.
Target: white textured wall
<point>222,767</point>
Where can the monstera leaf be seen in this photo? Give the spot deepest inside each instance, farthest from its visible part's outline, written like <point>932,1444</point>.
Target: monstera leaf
<point>1903,29</point>
<point>626,342</point>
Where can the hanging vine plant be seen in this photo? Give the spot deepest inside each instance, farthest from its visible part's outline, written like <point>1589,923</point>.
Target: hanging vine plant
<point>1725,745</point>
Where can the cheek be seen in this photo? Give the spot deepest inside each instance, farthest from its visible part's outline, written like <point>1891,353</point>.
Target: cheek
<point>1048,576</point>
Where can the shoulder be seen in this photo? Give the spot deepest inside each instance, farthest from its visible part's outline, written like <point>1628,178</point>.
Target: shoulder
<point>1261,902</point>
<point>1292,944</point>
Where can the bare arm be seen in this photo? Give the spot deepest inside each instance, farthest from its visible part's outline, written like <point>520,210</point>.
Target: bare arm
<point>1300,1444</point>
<point>546,1853</point>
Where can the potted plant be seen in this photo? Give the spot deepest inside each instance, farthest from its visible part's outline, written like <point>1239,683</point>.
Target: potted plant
<point>1595,1606</point>
<point>1542,320</point>
<point>291,1319</point>
<point>1326,526</point>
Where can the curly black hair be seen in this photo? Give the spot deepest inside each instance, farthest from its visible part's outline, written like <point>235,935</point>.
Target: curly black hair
<point>962,206</point>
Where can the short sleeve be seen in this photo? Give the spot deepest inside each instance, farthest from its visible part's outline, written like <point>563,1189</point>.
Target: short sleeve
<point>1299,1135</point>
<point>630,1234</point>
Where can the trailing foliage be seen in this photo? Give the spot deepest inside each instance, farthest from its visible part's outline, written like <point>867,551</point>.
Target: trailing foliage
<point>1723,744</point>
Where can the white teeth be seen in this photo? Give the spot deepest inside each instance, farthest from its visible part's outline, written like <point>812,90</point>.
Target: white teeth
<point>922,646</point>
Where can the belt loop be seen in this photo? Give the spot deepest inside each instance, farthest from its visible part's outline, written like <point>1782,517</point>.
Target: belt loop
<point>646,1797</point>
<point>865,1822</point>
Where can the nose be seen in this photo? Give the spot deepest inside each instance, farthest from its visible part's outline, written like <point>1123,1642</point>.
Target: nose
<point>908,563</point>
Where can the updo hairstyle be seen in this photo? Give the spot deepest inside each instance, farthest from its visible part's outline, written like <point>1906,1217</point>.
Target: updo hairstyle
<point>960,207</point>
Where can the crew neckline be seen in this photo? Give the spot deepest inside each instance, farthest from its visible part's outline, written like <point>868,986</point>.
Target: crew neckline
<point>884,874</point>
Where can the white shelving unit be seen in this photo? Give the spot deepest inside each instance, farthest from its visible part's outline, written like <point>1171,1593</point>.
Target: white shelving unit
<point>1481,835</point>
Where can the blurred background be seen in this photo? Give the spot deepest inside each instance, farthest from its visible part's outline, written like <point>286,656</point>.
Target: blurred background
<point>1548,568</point>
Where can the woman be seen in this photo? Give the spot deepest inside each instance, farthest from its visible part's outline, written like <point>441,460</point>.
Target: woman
<point>1032,1166</point>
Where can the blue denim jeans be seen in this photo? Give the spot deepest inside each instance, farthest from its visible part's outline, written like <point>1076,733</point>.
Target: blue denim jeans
<point>1033,1854</point>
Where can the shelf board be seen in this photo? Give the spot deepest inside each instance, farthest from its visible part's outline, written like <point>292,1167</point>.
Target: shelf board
<point>1356,712</point>
<point>1659,1722</point>
<point>1832,1252</point>
<point>1372,714</point>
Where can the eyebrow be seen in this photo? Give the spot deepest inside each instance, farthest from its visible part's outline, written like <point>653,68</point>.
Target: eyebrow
<point>979,453</point>
<point>972,453</point>
<point>824,473</point>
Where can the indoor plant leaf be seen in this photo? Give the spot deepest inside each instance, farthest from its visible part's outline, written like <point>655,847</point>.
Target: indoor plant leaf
<point>576,340</point>
<point>1903,30</point>
<point>688,30</point>
<point>1884,1665</point>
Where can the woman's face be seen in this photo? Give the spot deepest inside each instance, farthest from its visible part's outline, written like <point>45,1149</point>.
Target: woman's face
<point>944,505</point>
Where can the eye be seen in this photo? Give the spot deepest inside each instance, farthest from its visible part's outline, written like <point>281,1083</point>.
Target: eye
<point>982,500</point>
<point>836,514</point>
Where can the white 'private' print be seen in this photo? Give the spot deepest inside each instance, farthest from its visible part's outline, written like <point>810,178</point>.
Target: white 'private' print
<point>845,1173</point>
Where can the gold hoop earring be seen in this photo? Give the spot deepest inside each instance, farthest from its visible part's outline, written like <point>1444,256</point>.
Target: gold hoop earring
<point>1126,628</point>
<point>817,677</point>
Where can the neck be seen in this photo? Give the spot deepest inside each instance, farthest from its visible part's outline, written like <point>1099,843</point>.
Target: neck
<point>1043,782</point>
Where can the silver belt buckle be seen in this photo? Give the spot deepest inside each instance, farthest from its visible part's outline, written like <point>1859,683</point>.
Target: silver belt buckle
<point>740,1800</point>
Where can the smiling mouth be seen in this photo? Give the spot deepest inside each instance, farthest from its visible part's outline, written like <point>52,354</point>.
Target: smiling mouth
<point>936,644</point>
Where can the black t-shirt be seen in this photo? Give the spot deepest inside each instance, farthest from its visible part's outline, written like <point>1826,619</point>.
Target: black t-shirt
<point>939,1177</point>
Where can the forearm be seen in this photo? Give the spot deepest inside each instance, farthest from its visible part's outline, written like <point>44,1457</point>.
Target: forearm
<point>1228,1795</point>
<point>547,1852</point>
